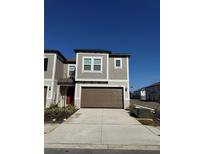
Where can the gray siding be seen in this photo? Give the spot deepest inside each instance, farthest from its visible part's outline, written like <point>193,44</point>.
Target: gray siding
<point>48,73</point>
<point>59,70</point>
<point>65,70</point>
<point>117,74</point>
<point>89,75</point>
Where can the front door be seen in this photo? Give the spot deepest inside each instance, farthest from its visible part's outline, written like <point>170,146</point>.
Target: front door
<point>70,95</point>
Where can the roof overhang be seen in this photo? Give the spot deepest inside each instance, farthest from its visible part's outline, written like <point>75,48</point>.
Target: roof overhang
<point>92,51</point>
<point>66,82</point>
<point>119,55</point>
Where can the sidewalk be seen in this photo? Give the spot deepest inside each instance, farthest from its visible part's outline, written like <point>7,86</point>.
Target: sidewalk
<point>49,127</point>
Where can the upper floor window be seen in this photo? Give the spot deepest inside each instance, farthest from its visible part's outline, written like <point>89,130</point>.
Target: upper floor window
<point>118,62</point>
<point>72,70</point>
<point>45,64</point>
<point>87,64</point>
<point>97,64</point>
<point>92,64</point>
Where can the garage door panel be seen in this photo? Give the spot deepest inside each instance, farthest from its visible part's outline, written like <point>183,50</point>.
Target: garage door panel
<point>102,97</point>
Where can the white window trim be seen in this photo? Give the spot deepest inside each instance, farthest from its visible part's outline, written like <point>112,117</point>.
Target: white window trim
<point>118,67</point>
<point>92,65</point>
<point>69,69</point>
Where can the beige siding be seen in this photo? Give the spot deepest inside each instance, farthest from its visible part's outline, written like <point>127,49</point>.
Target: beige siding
<point>117,74</point>
<point>93,75</point>
<point>49,72</point>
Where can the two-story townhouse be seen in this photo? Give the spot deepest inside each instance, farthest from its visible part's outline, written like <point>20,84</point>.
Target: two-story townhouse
<point>59,74</point>
<point>95,79</point>
<point>101,79</point>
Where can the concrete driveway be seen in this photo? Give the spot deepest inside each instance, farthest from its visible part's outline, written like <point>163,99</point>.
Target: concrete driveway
<point>102,129</point>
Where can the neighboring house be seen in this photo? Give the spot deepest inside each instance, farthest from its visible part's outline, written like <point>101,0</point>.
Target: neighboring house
<point>137,94</point>
<point>149,93</point>
<point>59,75</point>
<point>97,78</point>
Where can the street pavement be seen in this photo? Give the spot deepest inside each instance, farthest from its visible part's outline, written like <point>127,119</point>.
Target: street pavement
<point>98,151</point>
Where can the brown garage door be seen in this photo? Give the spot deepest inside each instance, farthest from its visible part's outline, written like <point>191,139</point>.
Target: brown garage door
<point>102,97</point>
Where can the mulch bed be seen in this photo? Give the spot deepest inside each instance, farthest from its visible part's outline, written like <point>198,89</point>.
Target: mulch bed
<point>57,114</point>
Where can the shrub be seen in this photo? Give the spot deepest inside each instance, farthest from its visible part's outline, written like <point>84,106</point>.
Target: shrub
<point>157,114</point>
<point>58,113</point>
<point>131,110</point>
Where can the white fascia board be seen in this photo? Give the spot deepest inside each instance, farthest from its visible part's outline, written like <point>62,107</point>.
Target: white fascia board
<point>108,61</point>
<point>91,80</point>
<point>76,68</point>
<point>53,74</point>
<point>117,80</point>
<point>50,80</point>
<point>128,83</point>
<point>100,85</point>
<point>93,54</point>
<point>49,54</point>
<point>101,80</point>
<point>76,90</point>
<point>54,66</point>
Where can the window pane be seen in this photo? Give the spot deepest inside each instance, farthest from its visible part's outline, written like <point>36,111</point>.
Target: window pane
<point>87,61</point>
<point>87,67</point>
<point>45,64</point>
<point>118,63</point>
<point>71,68</point>
<point>71,73</point>
<point>97,61</point>
<point>97,67</point>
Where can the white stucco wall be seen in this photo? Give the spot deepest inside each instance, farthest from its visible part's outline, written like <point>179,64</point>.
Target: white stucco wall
<point>51,92</point>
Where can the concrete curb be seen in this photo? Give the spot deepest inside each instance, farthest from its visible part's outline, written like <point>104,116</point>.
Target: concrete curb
<point>102,146</point>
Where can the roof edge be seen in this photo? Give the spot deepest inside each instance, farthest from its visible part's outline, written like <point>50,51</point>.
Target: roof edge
<point>56,52</point>
<point>119,55</point>
<point>92,50</point>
